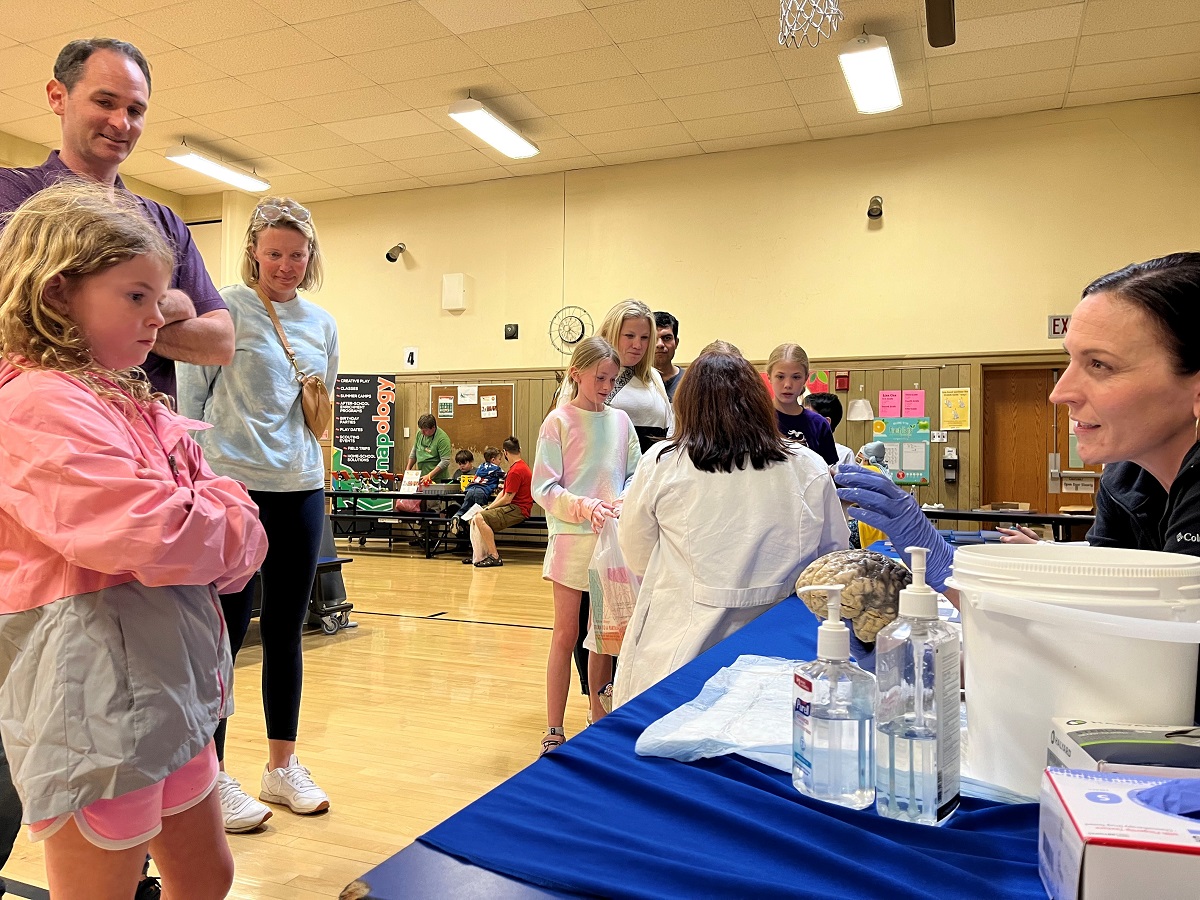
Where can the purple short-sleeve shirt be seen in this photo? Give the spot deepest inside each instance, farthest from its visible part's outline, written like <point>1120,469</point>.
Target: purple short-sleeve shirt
<point>190,276</point>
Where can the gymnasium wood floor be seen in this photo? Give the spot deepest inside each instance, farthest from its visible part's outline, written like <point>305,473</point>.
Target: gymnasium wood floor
<point>435,698</point>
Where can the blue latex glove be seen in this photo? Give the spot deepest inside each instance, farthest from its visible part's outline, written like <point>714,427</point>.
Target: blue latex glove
<point>1180,797</point>
<point>864,654</point>
<point>894,511</point>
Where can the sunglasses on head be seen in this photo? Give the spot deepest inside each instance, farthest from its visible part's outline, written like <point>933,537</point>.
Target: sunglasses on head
<point>270,212</point>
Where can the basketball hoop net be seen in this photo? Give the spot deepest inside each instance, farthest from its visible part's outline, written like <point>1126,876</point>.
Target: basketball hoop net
<point>807,21</point>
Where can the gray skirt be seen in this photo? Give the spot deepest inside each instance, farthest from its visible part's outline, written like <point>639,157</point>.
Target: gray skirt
<point>109,692</point>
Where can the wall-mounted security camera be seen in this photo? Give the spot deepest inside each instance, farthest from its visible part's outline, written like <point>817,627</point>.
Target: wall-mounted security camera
<point>875,208</point>
<point>394,254</point>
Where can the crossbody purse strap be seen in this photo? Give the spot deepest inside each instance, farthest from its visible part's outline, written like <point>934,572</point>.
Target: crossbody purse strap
<point>287,348</point>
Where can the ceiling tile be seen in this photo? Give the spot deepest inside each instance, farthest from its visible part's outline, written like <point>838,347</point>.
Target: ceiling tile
<point>1139,44</point>
<point>845,129</point>
<point>130,7</point>
<point>179,69</point>
<point>329,158</point>
<point>1001,108</point>
<point>461,16</point>
<point>375,29</point>
<point>554,165</point>
<point>723,103</point>
<point>553,148</point>
<point>632,115</point>
<point>167,134</point>
<point>1002,61</point>
<point>382,128</point>
<point>621,157</point>
<point>141,162</point>
<point>819,88</point>
<point>1115,15</point>
<point>177,177</point>
<point>294,82</point>
<point>39,129</point>
<point>384,187</point>
<point>1007,87</point>
<point>29,20</point>
<point>353,104</point>
<point>120,29</point>
<point>437,57</point>
<point>343,176</point>
<point>1134,92</point>
<point>975,9</point>
<point>527,40</point>
<point>724,74</point>
<point>442,90</point>
<point>290,140</point>
<point>231,151</point>
<point>655,18</point>
<point>445,163</point>
<point>637,138</point>
<point>253,119</point>
<point>1135,72</point>
<point>469,177</point>
<point>567,68</point>
<point>301,181</point>
<point>203,21</point>
<point>572,98</point>
<point>21,65</point>
<point>770,139</point>
<point>417,145</point>
<point>989,32</point>
<point>541,128</point>
<point>513,107</point>
<point>13,110</point>
<point>35,95</point>
<point>319,194</point>
<point>208,97</point>
<point>705,45</point>
<point>758,122</point>
<point>260,52</point>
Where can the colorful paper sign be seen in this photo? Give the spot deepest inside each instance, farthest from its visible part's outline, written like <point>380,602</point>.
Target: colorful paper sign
<point>913,403</point>
<point>445,408</point>
<point>818,382</point>
<point>955,407</point>
<point>906,448</point>
<point>468,394</point>
<point>890,404</point>
<point>487,406</point>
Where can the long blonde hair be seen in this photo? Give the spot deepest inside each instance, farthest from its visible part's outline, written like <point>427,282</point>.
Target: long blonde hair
<point>71,230</point>
<point>610,330</point>
<point>791,353</point>
<point>588,353</point>
<point>315,272</point>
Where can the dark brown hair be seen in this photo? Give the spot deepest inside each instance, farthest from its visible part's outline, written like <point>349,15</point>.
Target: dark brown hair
<point>490,454</point>
<point>427,421</point>
<point>464,456</point>
<point>724,415</point>
<point>511,444</point>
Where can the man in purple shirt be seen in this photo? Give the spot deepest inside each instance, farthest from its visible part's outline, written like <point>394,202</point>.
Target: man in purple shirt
<point>100,91</point>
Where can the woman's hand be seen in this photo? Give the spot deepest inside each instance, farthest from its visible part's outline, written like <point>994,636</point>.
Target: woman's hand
<point>426,480</point>
<point>1018,535</point>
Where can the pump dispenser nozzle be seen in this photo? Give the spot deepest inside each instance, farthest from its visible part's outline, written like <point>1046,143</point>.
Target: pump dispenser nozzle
<point>833,638</point>
<point>918,600</point>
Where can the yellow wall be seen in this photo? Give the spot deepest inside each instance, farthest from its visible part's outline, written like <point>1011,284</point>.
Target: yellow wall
<point>989,227</point>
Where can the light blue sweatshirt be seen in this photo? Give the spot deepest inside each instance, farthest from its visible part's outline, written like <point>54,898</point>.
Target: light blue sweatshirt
<point>259,436</point>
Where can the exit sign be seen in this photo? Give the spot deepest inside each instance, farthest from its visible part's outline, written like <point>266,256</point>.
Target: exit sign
<point>1056,327</point>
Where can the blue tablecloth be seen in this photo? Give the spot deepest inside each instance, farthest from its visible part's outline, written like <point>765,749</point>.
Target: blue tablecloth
<point>594,818</point>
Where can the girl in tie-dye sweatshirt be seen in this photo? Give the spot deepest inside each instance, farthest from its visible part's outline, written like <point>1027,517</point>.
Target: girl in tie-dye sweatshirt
<point>586,455</point>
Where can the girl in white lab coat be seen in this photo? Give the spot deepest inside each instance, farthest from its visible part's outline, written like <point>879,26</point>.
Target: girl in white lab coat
<point>720,520</point>
<point>586,455</point>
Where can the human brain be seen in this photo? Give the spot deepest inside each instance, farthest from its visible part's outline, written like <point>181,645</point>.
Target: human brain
<point>871,596</point>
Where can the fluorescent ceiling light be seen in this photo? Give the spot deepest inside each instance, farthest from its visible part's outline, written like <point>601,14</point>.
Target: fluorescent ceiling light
<point>186,156</point>
<point>867,65</point>
<point>475,117</point>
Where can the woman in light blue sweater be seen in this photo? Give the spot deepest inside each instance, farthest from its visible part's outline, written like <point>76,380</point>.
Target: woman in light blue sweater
<point>259,437</point>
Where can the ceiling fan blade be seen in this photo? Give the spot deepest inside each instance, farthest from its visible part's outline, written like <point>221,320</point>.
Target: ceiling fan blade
<point>939,22</point>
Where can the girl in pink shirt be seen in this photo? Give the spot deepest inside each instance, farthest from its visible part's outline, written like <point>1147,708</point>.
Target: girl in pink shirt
<point>115,537</point>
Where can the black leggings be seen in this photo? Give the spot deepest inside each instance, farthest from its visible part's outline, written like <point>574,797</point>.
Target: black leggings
<point>294,521</point>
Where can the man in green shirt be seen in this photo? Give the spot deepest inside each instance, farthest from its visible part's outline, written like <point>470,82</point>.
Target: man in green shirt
<point>431,451</point>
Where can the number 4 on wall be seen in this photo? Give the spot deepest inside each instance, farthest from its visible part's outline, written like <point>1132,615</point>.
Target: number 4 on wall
<point>410,357</point>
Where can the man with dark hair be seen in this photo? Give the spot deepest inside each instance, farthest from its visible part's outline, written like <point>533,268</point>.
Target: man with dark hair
<point>511,508</point>
<point>830,408</point>
<point>667,327</point>
<point>100,91</point>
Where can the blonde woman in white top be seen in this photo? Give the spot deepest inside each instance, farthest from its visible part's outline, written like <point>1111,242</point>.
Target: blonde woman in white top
<point>629,327</point>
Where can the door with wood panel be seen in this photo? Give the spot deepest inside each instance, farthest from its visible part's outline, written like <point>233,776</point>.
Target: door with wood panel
<point>1028,448</point>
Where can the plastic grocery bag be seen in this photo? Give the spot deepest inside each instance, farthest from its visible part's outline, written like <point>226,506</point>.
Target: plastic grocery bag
<point>613,590</point>
<point>745,708</point>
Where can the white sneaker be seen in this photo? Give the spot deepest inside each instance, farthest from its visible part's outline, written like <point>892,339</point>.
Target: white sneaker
<point>293,787</point>
<point>240,811</point>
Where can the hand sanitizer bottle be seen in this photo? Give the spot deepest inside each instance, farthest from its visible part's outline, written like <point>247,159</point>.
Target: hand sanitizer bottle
<point>833,732</point>
<point>916,663</point>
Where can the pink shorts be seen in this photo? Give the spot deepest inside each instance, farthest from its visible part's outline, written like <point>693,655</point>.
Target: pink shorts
<point>136,817</point>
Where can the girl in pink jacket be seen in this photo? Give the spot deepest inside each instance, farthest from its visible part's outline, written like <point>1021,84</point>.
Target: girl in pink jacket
<point>115,538</point>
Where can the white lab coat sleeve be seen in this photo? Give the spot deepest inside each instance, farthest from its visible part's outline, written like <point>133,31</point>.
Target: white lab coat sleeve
<point>639,533</point>
<point>822,501</point>
<point>547,487</point>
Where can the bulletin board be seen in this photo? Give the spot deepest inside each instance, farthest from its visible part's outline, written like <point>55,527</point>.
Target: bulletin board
<point>467,428</point>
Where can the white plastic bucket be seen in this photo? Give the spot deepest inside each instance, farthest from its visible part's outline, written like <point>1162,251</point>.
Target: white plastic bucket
<point>1071,631</point>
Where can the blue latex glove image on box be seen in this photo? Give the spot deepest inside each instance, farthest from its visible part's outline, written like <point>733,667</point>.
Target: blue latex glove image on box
<point>1180,797</point>
<point>881,504</point>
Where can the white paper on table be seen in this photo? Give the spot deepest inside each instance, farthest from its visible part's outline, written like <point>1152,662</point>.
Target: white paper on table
<point>487,407</point>
<point>912,455</point>
<point>468,394</point>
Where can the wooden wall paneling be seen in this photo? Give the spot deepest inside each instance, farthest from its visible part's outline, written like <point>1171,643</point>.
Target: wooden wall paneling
<point>972,375</point>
